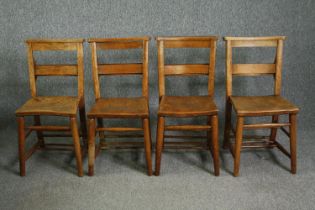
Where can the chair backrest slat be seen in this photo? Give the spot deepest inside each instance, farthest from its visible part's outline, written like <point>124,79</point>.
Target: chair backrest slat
<point>186,69</point>
<point>117,68</point>
<point>273,69</point>
<point>253,69</point>
<point>56,70</point>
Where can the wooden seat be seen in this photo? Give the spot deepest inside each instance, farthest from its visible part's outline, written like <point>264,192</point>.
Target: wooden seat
<point>257,106</point>
<point>120,107</point>
<point>63,106</point>
<point>262,105</point>
<point>53,105</point>
<point>187,106</point>
<point>137,107</point>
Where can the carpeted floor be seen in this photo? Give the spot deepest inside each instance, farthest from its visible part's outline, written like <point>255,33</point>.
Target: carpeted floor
<point>186,180</point>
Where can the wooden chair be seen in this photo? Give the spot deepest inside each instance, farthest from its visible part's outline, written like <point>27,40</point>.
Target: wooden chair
<point>187,106</point>
<point>63,106</point>
<point>257,106</point>
<point>137,107</point>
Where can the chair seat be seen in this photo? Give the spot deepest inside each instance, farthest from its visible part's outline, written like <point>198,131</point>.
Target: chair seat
<point>120,108</point>
<point>182,106</point>
<point>50,105</point>
<point>262,105</point>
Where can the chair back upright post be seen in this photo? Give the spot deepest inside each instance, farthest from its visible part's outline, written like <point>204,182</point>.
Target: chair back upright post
<point>274,69</point>
<point>120,69</point>
<point>186,69</point>
<point>56,70</point>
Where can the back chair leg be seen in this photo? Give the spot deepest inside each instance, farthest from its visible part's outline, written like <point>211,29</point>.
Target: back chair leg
<point>273,133</point>
<point>91,146</point>
<point>76,142</point>
<point>215,144</point>
<point>147,144</point>
<point>39,133</point>
<point>293,142</point>
<point>159,144</point>
<point>101,133</point>
<point>238,144</point>
<point>21,133</point>
<point>227,129</point>
<point>83,124</point>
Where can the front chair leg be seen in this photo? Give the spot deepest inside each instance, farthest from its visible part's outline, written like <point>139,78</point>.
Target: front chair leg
<point>293,142</point>
<point>76,143</point>
<point>215,144</point>
<point>21,133</point>
<point>238,144</point>
<point>91,146</point>
<point>159,145</point>
<point>147,144</point>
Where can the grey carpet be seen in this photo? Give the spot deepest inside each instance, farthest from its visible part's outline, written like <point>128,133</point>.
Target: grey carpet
<point>186,180</point>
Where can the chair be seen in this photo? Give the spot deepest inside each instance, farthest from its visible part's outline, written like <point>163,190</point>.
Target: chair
<point>62,106</point>
<point>187,106</point>
<point>109,108</point>
<point>257,106</point>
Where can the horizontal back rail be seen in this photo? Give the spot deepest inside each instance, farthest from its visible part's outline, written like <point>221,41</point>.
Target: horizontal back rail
<point>56,70</point>
<point>54,46</point>
<point>253,69</point>
<point>119,45</point>
<point>120,69</point>
<point>186,69</point>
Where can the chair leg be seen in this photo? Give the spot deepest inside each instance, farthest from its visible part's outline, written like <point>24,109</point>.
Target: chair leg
<point>159,145</point>
<point>293,142</point>
<point>273,133</point>
<point>39,133</point>
<point>101,133</point>
<point>83,124</point>
<point>21,134</point>
<point>76,142</point>
<point>147,144</point>
<point>91,146</point>
<point>215,144</point>
<point>227,128</point>
<point>238,144</point>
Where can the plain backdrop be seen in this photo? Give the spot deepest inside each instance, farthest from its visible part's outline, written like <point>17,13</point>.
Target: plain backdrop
<point>186,180</point>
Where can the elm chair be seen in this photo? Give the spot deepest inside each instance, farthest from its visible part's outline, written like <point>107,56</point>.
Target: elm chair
<point>110,108</point>
<point>187,106</point>
<point>257,106</point>
<point>62,106</point>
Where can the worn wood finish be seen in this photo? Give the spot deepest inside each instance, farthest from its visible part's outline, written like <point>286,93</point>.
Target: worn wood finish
<point>65,106</point>
<point>256,106</point>
<point>120,108</point>
<point>187,106</point>
<point>137,107</point>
